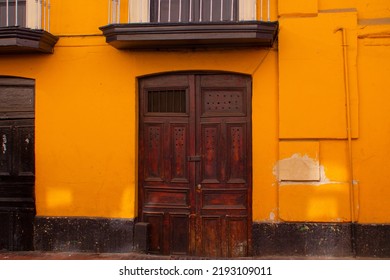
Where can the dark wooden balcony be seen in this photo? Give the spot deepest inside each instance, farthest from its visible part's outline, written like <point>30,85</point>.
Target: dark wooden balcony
<point>189,24</point>
<point>19,35</point>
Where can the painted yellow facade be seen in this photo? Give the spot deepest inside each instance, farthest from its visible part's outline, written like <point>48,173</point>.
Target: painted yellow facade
<point>327,75</point>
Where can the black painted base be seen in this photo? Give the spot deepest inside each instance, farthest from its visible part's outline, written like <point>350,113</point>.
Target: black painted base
<point>321,239</point>
<point>373,240</point>
<point>67,234</point>
<point>268,239</point>
<point>16,229</point>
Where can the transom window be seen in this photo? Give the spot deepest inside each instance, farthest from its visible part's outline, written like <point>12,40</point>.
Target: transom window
<point>167,101</point>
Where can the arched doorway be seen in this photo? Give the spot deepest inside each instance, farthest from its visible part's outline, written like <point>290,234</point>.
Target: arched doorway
<point>195,163</point>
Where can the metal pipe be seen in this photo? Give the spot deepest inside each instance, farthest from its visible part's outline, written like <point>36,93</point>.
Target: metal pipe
<point>349,139</point>
<point>348,115</point>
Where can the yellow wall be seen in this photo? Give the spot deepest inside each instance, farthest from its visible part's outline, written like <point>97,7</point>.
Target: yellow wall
<point>86,112</point>
<point>312,106</point>
<point>86,118</point>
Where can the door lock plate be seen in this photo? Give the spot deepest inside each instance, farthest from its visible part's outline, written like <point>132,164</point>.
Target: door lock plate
<point>194,158</point>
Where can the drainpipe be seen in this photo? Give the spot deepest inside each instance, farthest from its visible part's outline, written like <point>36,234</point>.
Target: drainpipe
<point>349,139</point>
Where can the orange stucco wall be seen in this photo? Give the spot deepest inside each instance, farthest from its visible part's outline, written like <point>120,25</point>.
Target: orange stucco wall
<point>86,112</point>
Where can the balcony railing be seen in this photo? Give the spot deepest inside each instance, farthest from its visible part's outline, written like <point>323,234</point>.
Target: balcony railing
<point>186,11</point>
<point>34,14</point>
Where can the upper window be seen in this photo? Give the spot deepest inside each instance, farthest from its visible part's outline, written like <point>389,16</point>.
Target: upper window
<point>182,11</point>
<point>193,10</point>
<point>33,14</point>
<point>12,13</point>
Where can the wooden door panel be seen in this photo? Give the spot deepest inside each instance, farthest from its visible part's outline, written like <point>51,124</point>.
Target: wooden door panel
<point>179,152</point>
<point>153,152</point>
<point>236,164</point>
<point>211,239</point>
<point>6,150</point>
<point>223,102</point>
<point>232,199</point>
<point>6,231</point>
<point>211,158</point>
<point>156,221</point>
<point>158,197</point>
<point>180,233</point>
<point>25,150</point>
<point>237,238</point>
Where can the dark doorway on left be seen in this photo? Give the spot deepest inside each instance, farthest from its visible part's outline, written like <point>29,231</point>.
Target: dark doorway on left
<point>17,163</point>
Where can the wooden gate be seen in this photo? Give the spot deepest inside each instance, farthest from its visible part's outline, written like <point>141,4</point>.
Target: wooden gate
<point>195,175</point>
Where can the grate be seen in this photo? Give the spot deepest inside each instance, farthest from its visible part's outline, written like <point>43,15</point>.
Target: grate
<point>167,101</point>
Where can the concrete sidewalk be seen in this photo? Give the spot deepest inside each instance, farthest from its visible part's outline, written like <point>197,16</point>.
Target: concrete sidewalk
<point>37,255</point>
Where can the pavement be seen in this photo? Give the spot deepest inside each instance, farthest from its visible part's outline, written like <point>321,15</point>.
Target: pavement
<point>39,255</point>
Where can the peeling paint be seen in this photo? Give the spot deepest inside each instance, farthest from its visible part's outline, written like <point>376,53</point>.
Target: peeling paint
<point>272,216</point>
<point>305,161</point>
<point>298,168</point>
<point>4,144</point>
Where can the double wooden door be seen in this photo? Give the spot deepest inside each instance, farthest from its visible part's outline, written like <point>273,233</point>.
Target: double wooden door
<point>195,171</point>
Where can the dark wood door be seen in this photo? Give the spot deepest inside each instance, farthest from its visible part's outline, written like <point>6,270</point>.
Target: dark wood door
<point>195,164</point>
<point>17,164</point>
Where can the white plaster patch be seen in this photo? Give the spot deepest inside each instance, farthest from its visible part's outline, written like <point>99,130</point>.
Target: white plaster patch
<point>299,168</point>
<point>306,161</point>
